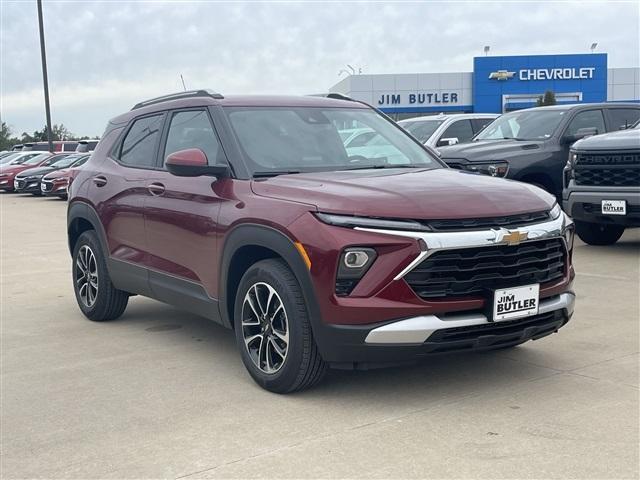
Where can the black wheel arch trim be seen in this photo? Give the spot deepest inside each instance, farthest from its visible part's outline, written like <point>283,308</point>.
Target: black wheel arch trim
<point>247,235</point>
<point>79,210</point>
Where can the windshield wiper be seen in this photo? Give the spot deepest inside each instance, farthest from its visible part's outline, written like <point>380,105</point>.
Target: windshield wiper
<point>273,173</point>
<point>366,167</point>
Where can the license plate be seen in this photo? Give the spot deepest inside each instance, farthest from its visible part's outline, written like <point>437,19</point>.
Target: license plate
<point>519,302</point>
<point>614,207</point>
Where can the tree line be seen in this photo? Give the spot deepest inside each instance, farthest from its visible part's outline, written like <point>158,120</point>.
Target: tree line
<point>60,132</point>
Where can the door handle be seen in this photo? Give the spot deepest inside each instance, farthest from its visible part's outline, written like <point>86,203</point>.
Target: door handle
<point>156,189</point>
<point>100,181</point>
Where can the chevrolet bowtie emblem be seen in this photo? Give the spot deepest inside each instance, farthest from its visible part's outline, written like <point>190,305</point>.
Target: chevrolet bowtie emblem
<point>501,75</point>
<point>514,237</point>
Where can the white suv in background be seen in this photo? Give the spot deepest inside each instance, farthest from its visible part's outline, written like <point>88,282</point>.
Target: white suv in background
<point>443,130</point>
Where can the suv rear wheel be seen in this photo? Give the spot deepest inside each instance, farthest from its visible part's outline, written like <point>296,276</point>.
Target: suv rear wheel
<point>98,299</point>
<point>273,330</point>
<point>598,234</point>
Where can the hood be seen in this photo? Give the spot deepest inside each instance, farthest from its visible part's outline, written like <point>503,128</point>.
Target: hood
<point>489,149</point>
<point>13,169</point>
<point>623,140</point>
<point>407,193</point>
<point>63,172</point>
<point>35,171</point>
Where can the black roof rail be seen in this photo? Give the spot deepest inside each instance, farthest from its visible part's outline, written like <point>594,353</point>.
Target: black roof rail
<point>178,96</point>
<point>335,96</point>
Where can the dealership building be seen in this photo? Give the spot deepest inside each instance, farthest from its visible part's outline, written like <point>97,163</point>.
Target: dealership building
<point>496,85</point>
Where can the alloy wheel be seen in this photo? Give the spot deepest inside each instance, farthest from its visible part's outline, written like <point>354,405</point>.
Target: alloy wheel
<point>87,276</point>
<point>265,327</point>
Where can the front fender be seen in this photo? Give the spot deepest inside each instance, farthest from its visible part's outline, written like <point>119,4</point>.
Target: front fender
<point>245,235</point>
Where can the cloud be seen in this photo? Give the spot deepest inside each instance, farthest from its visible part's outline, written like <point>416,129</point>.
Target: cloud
<point>105,56</point>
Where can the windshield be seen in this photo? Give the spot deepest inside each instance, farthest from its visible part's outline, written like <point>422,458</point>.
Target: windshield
<point>65,162</point>
<point>9,158</point>
<point>523,125</point>
<point>421,129</point>
<point>36,159</point>
<point>291,140</point>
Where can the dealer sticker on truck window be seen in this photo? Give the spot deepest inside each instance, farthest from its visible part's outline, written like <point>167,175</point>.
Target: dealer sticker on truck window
<point>614,207</point>
<point>519,302</point>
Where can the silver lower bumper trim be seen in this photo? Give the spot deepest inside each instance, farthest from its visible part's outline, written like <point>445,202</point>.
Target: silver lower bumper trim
<point>417,330</point>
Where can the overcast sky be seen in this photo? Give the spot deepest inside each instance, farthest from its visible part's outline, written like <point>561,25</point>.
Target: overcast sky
<point>105,56</point>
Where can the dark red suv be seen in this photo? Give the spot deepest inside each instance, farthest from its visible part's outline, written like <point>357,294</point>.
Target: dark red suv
<point>250,211</point>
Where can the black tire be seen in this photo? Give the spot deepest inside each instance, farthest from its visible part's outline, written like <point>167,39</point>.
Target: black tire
<point>108,303</point>
<point>302,366</point>
<point>598,234</point>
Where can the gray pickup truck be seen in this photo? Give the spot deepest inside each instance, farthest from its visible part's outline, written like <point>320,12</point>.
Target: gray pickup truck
<point>602,185</point>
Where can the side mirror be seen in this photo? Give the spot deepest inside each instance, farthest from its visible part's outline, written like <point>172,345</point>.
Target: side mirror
<point>445,142</point>
<point>581,133</point>
<point>193,162</point>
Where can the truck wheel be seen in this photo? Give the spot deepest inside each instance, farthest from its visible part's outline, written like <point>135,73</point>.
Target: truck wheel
<point>273,330</point>
<point>598,234</point>
<point>98,299</point>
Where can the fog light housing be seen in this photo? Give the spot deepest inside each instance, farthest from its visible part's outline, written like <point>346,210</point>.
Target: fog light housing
<point>355,258</point>
<point>354,263</point>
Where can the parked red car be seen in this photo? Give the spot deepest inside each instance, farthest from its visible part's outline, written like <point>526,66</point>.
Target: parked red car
<point>251,212</point>
<point>56,183</point>
<point>9,172</point>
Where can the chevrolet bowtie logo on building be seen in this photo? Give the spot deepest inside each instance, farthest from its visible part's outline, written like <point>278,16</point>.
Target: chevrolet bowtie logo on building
<point>501,75</point>
<point>510,237</point>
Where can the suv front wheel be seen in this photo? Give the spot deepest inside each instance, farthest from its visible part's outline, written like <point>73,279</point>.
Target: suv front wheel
<point>598,234</point>
<point>273,330</point>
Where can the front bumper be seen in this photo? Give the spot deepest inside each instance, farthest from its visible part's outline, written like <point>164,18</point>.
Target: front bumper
<point>585,205</point>
<point>54,189</point>
<point>413,338</point>
<point>26,186</point>
<point>392,324</point>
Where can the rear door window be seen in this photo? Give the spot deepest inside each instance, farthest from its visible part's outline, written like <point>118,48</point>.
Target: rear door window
<point>140,144</point>
<point>480,124</point>
<point>460,129</point>
<point>621,118</point>
<point>587,119</point>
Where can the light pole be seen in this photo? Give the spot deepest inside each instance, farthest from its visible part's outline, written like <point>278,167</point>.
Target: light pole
<point>594,45</point>
<point>44,77</point>
<point>486,50</point>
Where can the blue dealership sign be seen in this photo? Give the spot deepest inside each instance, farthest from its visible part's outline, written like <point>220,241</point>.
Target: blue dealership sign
<point>507,83</point>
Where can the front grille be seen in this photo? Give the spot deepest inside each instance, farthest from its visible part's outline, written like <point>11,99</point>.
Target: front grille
<point>20,183</point>
<point>495,334</point>
<point>603,159</point>
<point>478,271</point>
<point>608,169</point>
<point>478,223</point>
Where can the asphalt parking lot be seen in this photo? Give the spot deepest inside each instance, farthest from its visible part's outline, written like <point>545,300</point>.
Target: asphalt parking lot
<point>163,393</point>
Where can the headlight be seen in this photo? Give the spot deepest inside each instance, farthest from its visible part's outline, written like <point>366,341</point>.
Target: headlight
<point>366,222</point>
<point>493,169</point>
<point>567,172</point>
<point>568,234</point>
<point>555,211</point>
